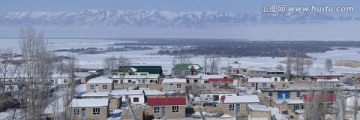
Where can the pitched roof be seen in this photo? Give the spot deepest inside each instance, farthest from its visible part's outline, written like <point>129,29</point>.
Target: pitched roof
<point>149,69</point>
<point>223,80</point>
<point>89,102</point>
<point>242,99</point>
<point>258,107</point>
<point>173,80</point>
<point>166,101</point>
<point>187,67</point>
<point>319,97</point>
<point>100,80</point>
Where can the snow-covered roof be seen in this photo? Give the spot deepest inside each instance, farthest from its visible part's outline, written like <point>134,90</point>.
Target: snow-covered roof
<point>153,92</point>
<point>212,76</point>
<point>82,74</point>
<point>60,75</point>
<point>142,76</point>
<point>100,80</point>
<point>89,102</point>
<point>242,99</point>
<point>327,80</point>
<point>94,94</point>
<point>174,80</point>
<point>290,101</point>
<point>193,76</point>
<point>127,92</point>
<point>259,79</point>
<point>258,107</point>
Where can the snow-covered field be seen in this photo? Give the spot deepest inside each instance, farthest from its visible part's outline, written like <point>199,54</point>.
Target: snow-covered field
<point>148,57</point>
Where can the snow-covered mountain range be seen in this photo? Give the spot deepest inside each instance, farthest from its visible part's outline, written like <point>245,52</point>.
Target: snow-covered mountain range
<point>154,18</point>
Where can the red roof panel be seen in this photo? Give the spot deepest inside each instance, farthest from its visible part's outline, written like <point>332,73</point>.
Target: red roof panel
<point>166,101</point>
<point>224,80</point>
<point>320,97</point>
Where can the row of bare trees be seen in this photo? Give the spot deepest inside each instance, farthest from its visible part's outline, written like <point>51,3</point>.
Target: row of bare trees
<point>32,76</point>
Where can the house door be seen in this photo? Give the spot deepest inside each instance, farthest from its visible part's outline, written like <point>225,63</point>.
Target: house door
<point>163,112</point>
<point>256,86</point>
<point>96,88</point>
<point>83,113</point>
<point>237,109</point>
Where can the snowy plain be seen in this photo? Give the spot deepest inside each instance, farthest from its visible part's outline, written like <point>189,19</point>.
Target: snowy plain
<point>149,57</point>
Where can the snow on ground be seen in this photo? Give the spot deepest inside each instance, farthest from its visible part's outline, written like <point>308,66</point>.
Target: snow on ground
<point>115,115</point>
<point>275,112</point>
<point>148,57</point>
<point>8,114</point>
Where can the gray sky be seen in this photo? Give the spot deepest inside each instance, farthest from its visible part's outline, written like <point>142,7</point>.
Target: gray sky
<point>170,5</point>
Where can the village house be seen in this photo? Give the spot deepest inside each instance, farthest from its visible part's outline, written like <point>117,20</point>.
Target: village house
<point>136,79</point>
<point>223,83</point>
<point>182,70</point>
<point>141,70</point>
<point>211,97</point>
<point>166,107</point>
<point>237,105</point>
<point>88,109</point>
<point>136,96</point>
<point>258,112</point>
<point>100,84</point>
<point>173,85</point>
<point>61,80</point>
<point>264,82</point>
<point>84,76</point>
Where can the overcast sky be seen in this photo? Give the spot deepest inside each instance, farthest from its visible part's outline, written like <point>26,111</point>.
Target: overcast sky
<point>170,5</point>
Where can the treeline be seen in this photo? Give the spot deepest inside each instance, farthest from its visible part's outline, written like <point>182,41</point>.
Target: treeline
<point>242,48</point>
<point>94,50</point>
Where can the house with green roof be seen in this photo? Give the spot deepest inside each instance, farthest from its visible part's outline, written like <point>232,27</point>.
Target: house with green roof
<point>142,70</point>
<point>182,70</point>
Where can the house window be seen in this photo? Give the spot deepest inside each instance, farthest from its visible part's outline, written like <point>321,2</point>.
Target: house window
<point>271,94</point>
<point>331,84</point>
<point>76,111</point>
<point>215,84</point>
<point>195,80</point>
<point>296,107</point>
<point>298,94</point>
<point>65,80</point>
<point>283,95</point>
<point>177,72</point>
<point>116,81</point>
<point>136,99</point>
<point>92,87</point>
<point>96,111</point>
<point>156,109</point>
<point>129,81</point>
<point>226,84</point>
<point>275,79</point>
<point>252,84</point>
<point>264,85</point>
<point>231,107</point>
<point>175,108</point>
<point>104,86</point>
<point>178,85</point>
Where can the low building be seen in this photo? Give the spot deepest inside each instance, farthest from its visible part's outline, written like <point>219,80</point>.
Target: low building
<point>136,79</point>
<point>84,76</point>
<point>258,112</point>
<point>173,84</point>
<point>100,84</point>
<point>135,96</point>
<point>61,80</point>
<point>89,109</point>
<point>166,107</point>
<point>264,82</point>
<point>237,105</point>
<point>216,83</point>
<point>182,70</point>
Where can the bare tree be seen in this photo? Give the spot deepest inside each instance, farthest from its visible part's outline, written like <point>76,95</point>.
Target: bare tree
<point>38,66</point>
<point>288,64</point>
<point>122,63</point>
<point>299,66</point>
<point>205,60</point>
<point>214,62</point>
<point>328,64</point>
<point>280,67</point>
<point>181,59</point>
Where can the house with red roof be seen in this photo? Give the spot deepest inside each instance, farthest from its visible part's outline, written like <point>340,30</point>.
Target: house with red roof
<point>165,107</point>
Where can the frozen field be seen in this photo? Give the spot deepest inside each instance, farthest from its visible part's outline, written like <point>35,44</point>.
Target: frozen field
<point>148,57</point>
